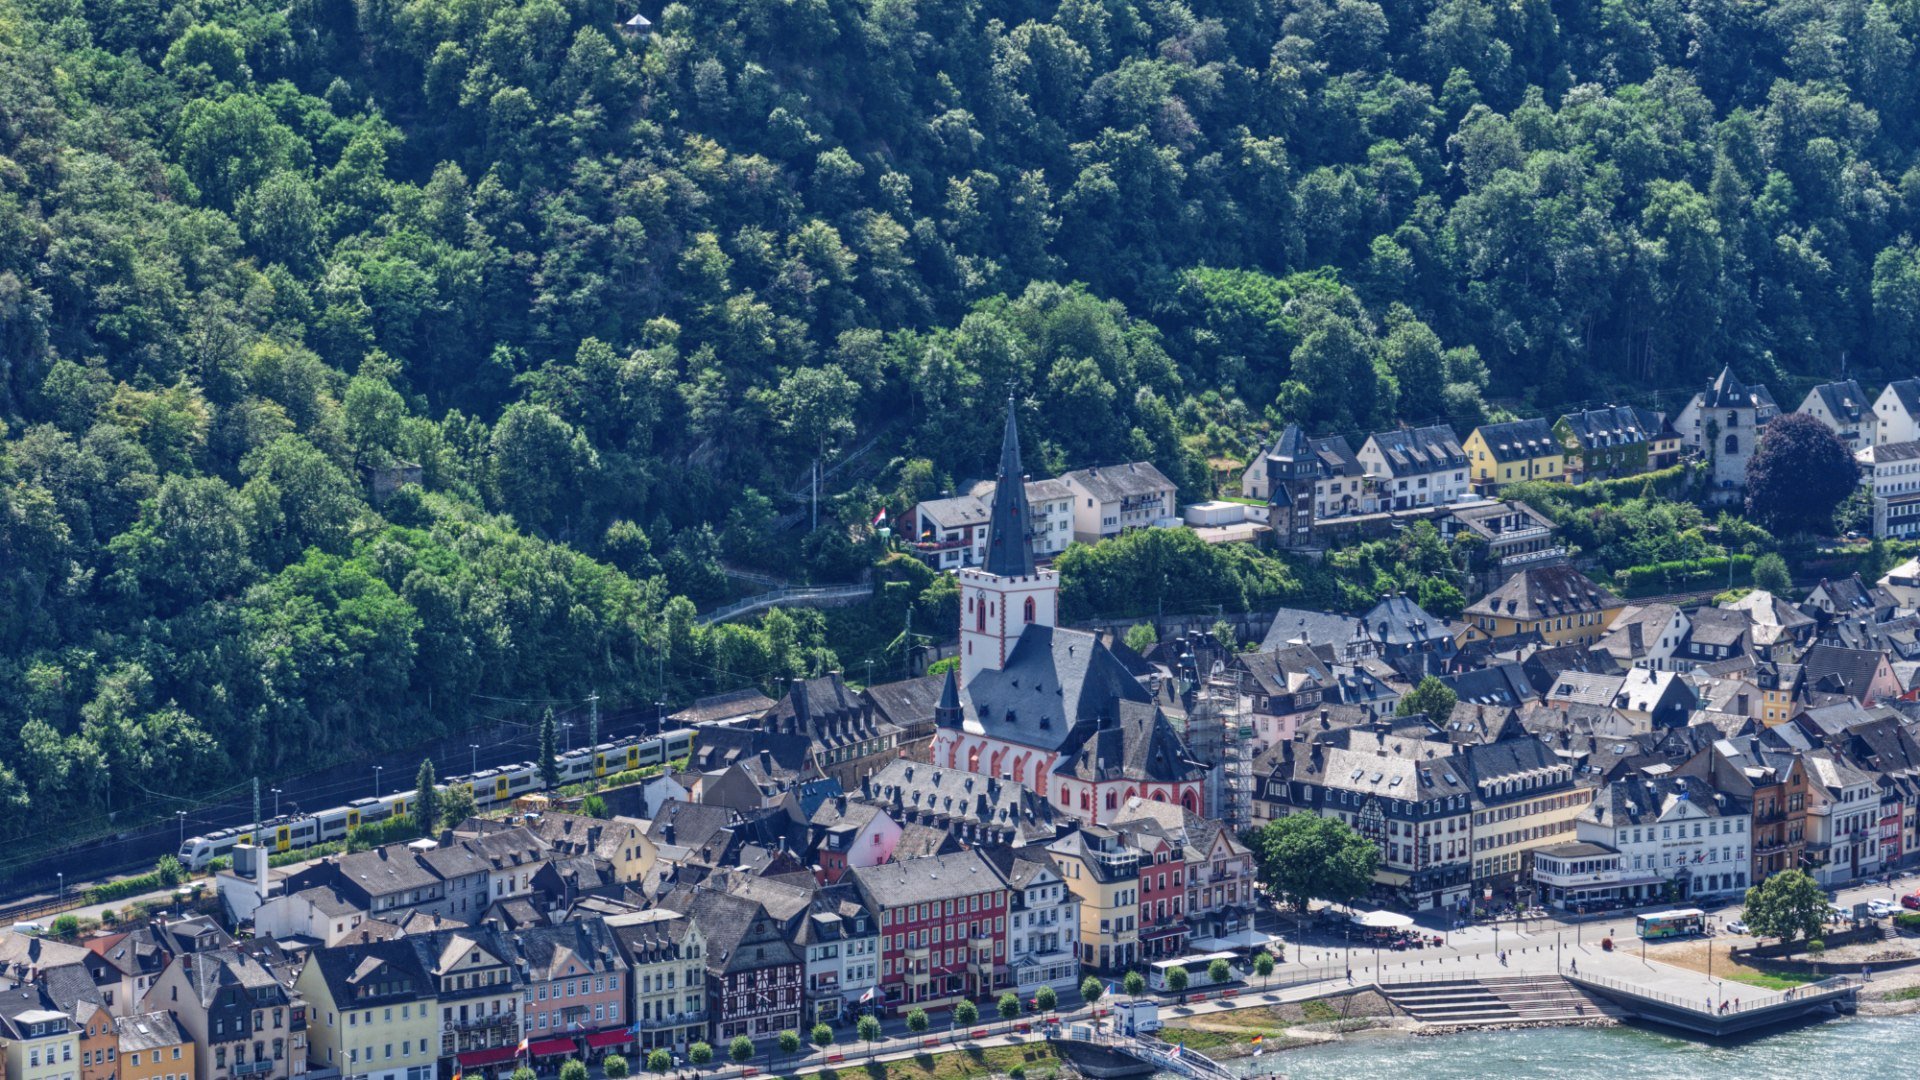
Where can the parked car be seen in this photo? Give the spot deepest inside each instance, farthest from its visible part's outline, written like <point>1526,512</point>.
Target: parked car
<point>1911,901</point>
<point>1737,927</point>
<point>1880,909</point>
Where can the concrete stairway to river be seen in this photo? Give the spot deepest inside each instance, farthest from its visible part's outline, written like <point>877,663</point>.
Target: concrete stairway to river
<point>1508,999</point>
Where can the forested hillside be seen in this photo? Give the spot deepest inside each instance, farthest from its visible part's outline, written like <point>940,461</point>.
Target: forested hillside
<point>614,295</point>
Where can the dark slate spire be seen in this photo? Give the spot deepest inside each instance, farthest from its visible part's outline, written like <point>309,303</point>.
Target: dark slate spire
<point>1009,539</point>
<point>947,714</point>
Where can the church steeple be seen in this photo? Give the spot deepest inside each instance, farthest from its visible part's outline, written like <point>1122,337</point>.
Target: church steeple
<point>1009,530</point>
<point>1007,593</point>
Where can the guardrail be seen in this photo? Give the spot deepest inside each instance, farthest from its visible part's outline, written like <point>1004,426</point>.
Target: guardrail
<point>783,597</point>
<point>1799,993</point>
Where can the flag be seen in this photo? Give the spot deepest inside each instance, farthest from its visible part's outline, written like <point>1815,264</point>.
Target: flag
<point>880,518</point>
<point>1177,1047</point>
<point>869,995</point>
<point>456,1071</point>
<point>1258,1039</point>
<point>1112,990</point>
<point>522,1048</point>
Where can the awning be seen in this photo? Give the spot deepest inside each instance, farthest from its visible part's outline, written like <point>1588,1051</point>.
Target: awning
<point>1383,920</point>
<point>550,1047</point>
<point>1239,939</point>
<point>475,1059</point>
<point>600,1040</point>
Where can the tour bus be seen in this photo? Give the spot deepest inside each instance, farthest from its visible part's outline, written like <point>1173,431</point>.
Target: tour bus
<point>1680,922</point>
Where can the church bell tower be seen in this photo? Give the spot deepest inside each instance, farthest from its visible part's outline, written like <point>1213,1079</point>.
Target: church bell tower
<point>1007,593</point>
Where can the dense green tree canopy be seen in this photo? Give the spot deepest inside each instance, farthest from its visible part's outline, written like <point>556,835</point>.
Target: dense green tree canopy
<point>372,360</point>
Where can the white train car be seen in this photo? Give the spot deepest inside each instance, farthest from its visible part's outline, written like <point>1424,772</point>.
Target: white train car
<point>491,788</point>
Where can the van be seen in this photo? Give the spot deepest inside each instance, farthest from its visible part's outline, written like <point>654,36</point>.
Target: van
<point>29,929</point>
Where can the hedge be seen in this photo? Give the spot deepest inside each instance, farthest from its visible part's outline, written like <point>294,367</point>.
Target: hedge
<point>1681,573</point>
<point>133,886</point>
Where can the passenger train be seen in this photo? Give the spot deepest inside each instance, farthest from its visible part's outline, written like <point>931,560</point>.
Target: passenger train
<point>490,787</point>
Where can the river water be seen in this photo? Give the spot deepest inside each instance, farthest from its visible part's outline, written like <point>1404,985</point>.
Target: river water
<point>1836,1050</point>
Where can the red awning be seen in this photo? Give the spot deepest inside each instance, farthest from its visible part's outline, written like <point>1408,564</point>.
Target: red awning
<point>474,1059</point>
<point>550,1047</point>
<point>600,1040</point>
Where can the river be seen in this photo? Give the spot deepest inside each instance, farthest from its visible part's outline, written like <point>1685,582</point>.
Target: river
<point>1857,1047</point>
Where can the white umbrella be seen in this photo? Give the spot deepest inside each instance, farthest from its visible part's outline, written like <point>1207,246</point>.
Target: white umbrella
<point>1383,920</point>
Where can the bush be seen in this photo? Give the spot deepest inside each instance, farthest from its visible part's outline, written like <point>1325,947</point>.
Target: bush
<point>659,1061</point>
<point>1907,920</point>
<point>700,1053</point>
<point>133,886</point>
<point>821,1035</point>
<point>573,1069</point>
<point>66,926</point>
<point>788,1041</point>
<point>168,871</point>
<point>1679,574</point>
<point>381,833</point>
<point>614,1066</point>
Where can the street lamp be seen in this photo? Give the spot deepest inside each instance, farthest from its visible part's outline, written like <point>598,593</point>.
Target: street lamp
<point>566,727</point>
<point>475,747</point>
<point>63,885</point>
<point>377,769</point>
<point>276,802</point>
<point>182,815</point>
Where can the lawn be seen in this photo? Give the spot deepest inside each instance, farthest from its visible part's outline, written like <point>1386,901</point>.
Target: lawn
<point>1036,1060</point>
<point>1769,980</point>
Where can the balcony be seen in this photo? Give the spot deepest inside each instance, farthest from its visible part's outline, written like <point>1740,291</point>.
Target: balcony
<point>252,1068</point>
<point>919,954</point>
<point>1542,555</point>
<point>918,979</point>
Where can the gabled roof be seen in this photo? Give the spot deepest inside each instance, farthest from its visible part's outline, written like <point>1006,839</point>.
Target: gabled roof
<point>907,702</point>
<point>938,877</point>
<point>1053,681</point>
<point>1010,519</point>
<point>1412,451</point>
<point>1604,428</point>
<point>1111,483</point>
<point>1543,592</point>
<point>1844,401</point>
<point>1301,626</point>
<point>1519,440</point>
<point>375,973</point>
<point>1728,392</point>
<point>1907,393</point>
<point>1139,745</point>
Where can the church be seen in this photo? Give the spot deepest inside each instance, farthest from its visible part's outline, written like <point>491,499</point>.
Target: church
<point>1043,706</point>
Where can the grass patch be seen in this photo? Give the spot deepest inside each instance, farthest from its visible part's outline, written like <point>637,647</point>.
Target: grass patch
<point>1905,993</point>
<point>1317,1010</point>
<point>1770,980</point>
<point>1036,1060</point>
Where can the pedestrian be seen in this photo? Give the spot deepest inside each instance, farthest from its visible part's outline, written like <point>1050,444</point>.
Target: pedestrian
<point>1576,965</point>
<point>1736,1004</point>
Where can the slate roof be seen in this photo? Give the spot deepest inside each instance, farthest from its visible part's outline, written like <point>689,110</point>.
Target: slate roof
<point>1844,401</point>
<point>1582,688</point>
<point>915,791</point>
<point>1111,483</point>
<point>1053,681</point>
<point>957,512</point>
<point>1907,393</point>
<point>149,1031</point>
<point>907,702</point>
<point>1399,623</point>
<point>1728,392</point>
<point>1544,592</point>
<point>1720,626</point>
<point>1413,769</point>
<point>731,705</point>
<point>1290,669</point>
<point>371,974</point>
<point>1500,684</point>
<point>1302,626</point>
<point>1611,426</point>
<point>938,877</point>
<point>1519,440</point>
<point>740,934</point>
<point>918,841</point>
<point>1418,450</point>
<point>1895,451</point>
<point>1851,669</point>
<point>1639,799</point>
<point>1139,745</point>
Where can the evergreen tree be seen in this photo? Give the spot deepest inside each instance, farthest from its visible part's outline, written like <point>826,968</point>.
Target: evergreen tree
<point>426,798</point>
<point>549,753</point>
